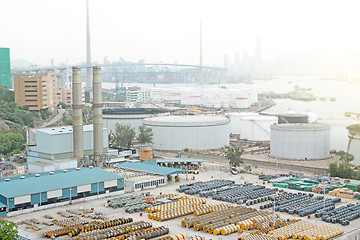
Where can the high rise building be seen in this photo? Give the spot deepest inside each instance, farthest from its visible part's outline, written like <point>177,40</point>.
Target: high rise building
<point>138,96</point>
<point>5,71</point>
<point>36,91</point>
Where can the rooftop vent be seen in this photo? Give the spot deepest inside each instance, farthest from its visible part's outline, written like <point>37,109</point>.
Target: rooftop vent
<point>53,129</point>
<point>78,169</point>
<point>7,180</point>
<point>62,128</point>
<point>60,131</point>
<point>51,173</point>
<point>65,171</point>
<point>91,166</point>
<point>22,177</point>
<point>37,175</point>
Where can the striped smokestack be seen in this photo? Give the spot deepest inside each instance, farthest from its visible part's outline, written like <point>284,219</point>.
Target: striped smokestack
<point>78,139</point>
<point>97,108</point>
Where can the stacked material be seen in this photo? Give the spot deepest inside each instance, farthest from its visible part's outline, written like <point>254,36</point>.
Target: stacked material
<point>226,221</point>
<point>117,232</point>
<point>132,203</point>
<point>170,195</point>
<point>343,214</point>
<point>150,233</point>
<point>344,193</point>
<point>299,229</point>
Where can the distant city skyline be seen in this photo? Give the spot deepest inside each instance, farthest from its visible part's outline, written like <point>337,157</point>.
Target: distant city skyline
<point>160,30</point>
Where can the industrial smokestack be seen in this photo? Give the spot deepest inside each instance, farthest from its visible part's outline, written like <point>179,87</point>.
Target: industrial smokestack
<point>88,48</point>
<point>78,139</point>
<point>97,108</point>
<point>201,56</point>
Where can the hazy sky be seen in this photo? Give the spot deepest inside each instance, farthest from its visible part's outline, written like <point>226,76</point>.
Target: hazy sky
<point>168,30</point>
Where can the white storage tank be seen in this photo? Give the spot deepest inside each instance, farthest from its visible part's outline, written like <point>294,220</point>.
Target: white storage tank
<point>131,116</point>
<point>354,142</point>
<point>199,132</point>
<point>251,126</point>
<point>300,141</point>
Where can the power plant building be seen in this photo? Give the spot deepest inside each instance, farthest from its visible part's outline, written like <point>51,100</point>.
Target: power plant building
<point>131,116</point>
<point>199,132</point>
<point>5,70</point>
<point>300,141</point>
<point>53,147</point>
<point>35,190</point>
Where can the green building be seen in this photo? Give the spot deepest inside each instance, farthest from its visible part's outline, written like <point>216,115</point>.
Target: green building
<point>5,72</point>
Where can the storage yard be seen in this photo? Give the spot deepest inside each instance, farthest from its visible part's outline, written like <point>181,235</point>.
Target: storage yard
<point>221,205</point>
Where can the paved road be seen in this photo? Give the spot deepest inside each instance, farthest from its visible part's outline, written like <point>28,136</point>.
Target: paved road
<point>58,117</point>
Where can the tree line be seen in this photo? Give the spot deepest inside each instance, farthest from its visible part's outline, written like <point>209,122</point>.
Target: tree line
<point>124,134</point>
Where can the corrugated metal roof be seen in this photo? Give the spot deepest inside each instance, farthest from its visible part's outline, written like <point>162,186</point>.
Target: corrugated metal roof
<point>46,182</point>
<point>2,205</point>
<point>150,168</point>
<point>178,160</point>
<point>300,126</point>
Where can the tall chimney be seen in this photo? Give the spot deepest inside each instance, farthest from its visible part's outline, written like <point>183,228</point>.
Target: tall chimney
<point>78,139</point>
<point>97,117</point>
<point>88,48</point>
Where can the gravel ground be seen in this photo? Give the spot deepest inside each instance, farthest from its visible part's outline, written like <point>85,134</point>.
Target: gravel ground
<point>173,224</point>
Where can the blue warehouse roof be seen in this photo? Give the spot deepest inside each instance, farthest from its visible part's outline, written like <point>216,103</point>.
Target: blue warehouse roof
<point>150,168</point>
<point>179,160</point>
<point>46,182</point>
<point>2,205</point>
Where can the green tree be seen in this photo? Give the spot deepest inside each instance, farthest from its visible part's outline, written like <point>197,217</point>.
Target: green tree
<point>346,157</point>
<point>122,136</point>
<point>333,169</point>
<point>145,135</point>
<point>6,95</point>
<point>233,155</point>
<point>62,105</point>
<point>8,230</point>
<point>358,188</point>
<point>11,143</point>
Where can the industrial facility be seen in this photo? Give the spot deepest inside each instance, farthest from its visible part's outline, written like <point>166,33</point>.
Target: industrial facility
<point>198,132</point>
<point>354,142</point>
<point>39,189</point>
<point>300,141</point>
<point>251,126</point>
<point>131,116</point>
<point>46,154</point>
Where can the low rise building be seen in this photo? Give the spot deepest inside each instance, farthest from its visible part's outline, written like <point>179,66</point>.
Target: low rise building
<point>34,190</point>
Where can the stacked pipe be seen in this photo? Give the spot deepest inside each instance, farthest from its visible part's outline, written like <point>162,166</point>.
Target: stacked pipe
<point>322,232</point>
<point>209,208</point>
<point>170,195</point>
<point>150,233</point>
<point>69,222</point>
<point>342,215</point>
<point>172,213</point>
<point>59,232</point>
<point>115,231</point>
<point>182,202</point>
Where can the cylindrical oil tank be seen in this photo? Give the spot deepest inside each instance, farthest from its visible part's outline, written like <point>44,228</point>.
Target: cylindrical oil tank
<point>198,132</point>
<point>251,126</point>
<point>300,141</point>
<point>293,118</point>
<point>235,120</point>
<point>131,116</point>
<point>354,142</point>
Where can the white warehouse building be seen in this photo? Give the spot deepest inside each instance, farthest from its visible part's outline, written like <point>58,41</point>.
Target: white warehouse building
<point>296,141</point>
<point>192,132</point>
